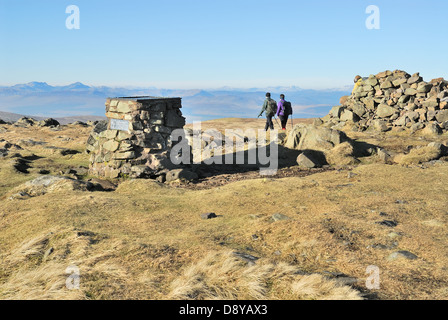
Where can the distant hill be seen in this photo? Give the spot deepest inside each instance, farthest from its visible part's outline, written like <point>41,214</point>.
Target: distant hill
<point>13,117</point>
<point>43,100</point>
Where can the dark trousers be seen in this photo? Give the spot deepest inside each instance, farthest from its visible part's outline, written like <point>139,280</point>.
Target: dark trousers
<point>269,123</point>
<point>284,120</point>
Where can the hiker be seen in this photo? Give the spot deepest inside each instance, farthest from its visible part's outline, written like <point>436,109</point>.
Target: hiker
<point>270,107</point>
<point>358,82</point>
<point>284,110</point>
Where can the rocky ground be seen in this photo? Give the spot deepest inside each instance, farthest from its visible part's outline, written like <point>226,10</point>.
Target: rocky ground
<point>360,199</point>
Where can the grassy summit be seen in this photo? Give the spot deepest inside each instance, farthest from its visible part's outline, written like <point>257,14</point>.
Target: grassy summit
<point>146,240</point>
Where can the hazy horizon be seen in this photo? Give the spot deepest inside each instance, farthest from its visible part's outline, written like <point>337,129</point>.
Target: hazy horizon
<point>213,44</point>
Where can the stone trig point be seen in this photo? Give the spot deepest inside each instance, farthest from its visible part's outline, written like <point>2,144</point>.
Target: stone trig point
<point>135,141</point>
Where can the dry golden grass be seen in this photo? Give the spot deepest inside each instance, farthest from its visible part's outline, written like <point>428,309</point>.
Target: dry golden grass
<point>222,276</point>
<point>341,155</point>
<point>147,240</point>
<point>420,155</point>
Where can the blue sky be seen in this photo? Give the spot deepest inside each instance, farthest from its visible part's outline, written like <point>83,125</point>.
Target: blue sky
<point>209,44</point>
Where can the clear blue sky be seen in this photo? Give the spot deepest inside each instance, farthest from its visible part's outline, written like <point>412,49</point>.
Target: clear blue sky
<point>214,43</point>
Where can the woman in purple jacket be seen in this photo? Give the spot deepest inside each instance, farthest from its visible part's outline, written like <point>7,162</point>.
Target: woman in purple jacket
<point>282,113</point>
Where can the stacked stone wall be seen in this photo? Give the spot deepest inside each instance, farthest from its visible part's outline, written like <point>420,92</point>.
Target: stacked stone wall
<point>135,141</point>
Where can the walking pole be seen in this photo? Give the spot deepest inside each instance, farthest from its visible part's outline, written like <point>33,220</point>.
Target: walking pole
<point>292,121</point>
<point>277,121</point>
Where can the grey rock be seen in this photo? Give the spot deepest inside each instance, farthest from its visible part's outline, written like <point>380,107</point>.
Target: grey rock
<point>306,160</point>
<point>180,174</point>
<point>441,116</point>
<point>388,223</point>
<point>432,128</point>
<point>402,254</point>
<point>309,137</point>
<point>250,259</point>
<point>209,215</point>
<point>384,111</point>
<point>280,217</point>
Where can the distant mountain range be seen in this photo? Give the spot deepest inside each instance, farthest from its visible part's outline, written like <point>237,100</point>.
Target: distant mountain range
<point>40,99</point>
<point>13,117</point>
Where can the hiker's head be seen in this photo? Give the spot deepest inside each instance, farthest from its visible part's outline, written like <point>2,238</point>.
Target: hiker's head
<point>282,96</point>
<point>357,78</point>
<point>268,95</point>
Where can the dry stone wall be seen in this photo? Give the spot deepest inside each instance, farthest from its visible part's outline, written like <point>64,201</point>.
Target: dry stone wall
<point>394,100</point>
<point>135,141</point>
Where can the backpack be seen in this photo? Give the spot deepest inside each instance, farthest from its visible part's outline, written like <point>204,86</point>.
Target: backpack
<point>287,108</point>
<point>271,109</point>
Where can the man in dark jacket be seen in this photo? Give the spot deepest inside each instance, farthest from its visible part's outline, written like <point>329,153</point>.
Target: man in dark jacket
<point>269,106</point>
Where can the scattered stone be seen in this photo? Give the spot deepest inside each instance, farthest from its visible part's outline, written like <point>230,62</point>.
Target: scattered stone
<point>280,217</point>
<point>209,215</point>
<point>250,259</point>
<point>49,184</point>
<point>306,160</point>
<point>102,185</point>
<point>47,253</point>
<point>48,123</point>
<point>403,254</point>
<point>388,223</point>
<point>351,175</point>
<point>25,122</point>
<point>384,155</point>
<point>180,174</point>
<point>394,235</point>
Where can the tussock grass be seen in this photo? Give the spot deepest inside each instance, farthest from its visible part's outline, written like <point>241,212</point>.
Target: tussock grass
<point>223,276</point>
<point>341,155</point>
<point>420,155</point>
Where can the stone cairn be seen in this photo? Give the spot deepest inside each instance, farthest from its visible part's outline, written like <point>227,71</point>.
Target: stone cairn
<point>394,100</point>
<point>135,141</point>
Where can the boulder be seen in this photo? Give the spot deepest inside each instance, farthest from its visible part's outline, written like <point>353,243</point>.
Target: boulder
<point>431,129</point>
<point>410,92</point>
<point>180,174</point>
<point>385,111</point>
<point>348,115</point>
<point>415,78</point>
<point>441,116</point>
<point>309,160</point>
<point>48,123</point>
<point>424,87</point>
<point>25,122</point>
<point>48,184</point>
<point>305,136</point>
<point>359,110</point>
<point>336,112</point>
<point>341,155</point>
